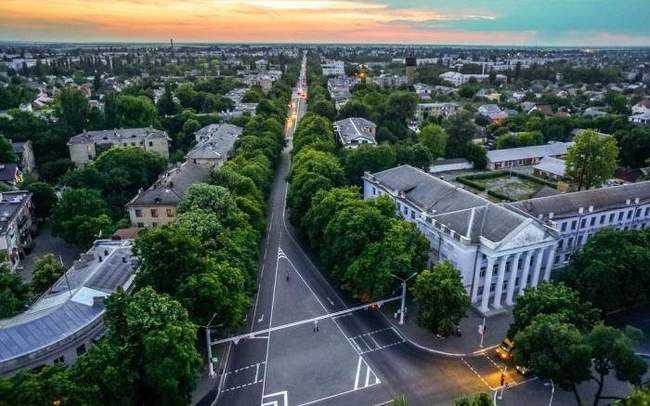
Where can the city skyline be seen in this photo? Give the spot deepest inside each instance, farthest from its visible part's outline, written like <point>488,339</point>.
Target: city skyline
<point>510,22</point>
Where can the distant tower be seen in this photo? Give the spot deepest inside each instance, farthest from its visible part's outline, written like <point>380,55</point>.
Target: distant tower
<point>411,63</point>
<point>171,43</point>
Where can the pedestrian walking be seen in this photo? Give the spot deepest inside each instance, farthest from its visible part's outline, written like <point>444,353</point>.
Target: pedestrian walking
<point>315,326</point>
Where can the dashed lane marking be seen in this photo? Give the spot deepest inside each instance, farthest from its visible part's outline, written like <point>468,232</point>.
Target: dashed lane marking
<point>477,374</point>
<point>235,371</point>
<point>242,386</point>
<point>365,343</point>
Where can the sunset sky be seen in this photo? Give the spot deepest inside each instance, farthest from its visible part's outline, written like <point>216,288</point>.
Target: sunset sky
<point>489,22</point>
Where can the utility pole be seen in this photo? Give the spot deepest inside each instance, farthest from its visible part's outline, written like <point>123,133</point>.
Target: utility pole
<point>208,345</point>
<point>403,305</point>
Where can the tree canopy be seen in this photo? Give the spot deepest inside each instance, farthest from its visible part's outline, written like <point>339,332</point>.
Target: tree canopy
<point>591,160</point>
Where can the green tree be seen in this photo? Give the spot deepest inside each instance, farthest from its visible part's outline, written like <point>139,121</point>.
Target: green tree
<point>168,255</point>
<point>324,108</point>
<point>166,104</point>
<point>460,130</point>
<point>367,158</point>
<point>482,399</point>
<point>125,111</point>
<point>6,151</point>
<point>591,160</point>
<point>81,216</point>
<point>612,270</point>
<point>325,205</point>
<point>555,350</point>
<point>44,198</point>
<point>74,108</point>
<point>215,199</point>
<point>434,138</point>
<point>476,154</point>
<point>47,270</point>
<point>634,146</point>
<point>640,396</point>
<point>441,298</point>
<point>401,252</point>
<point>552,298</point>
<point>14,294</point>
<point>613,350</point>
<point>219,289</point>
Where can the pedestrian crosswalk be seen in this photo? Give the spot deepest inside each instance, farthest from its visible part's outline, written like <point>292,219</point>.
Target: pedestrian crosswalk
<point>375,340</point>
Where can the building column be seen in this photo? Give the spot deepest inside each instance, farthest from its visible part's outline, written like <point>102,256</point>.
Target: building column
<point>537,267</point>
<point>549,263</point>
<point>524,274</point>
<point>486,285</point>
<point>513,277</point>
<point>498,290</point>
<point>476,279</point>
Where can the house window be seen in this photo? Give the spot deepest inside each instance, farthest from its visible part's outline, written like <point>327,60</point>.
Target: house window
<point>620,216</point>
<point>563,228</point>
<point>151,143</point>
<point>638,213</point>
<point>573,224</point>
<point>592,221</point>
<point>170,212</point>
<point>647,211</point>
<point>138,212</point>
<point>59,360</point>
<point>611,217</point>
<point>81,349</point>
<point>602,219</point>
<point>154,212</point>
<point>583,222</point>
<point>560,244</point>
<point>629,214</point>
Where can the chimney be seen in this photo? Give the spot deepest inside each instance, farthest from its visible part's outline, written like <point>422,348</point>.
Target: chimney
<point>581,210</point>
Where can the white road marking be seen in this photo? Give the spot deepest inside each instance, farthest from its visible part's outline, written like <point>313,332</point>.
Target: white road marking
<point>257,298</point>
<point>282,401</point>
<point>356,379</point>
<point>257,371</point>
<point>370,379</point>
<point>238,370</point>
<point>477,374</point>
<point>268,342</point>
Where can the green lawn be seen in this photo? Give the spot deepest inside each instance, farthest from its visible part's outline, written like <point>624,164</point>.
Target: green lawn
<point>513,186</point>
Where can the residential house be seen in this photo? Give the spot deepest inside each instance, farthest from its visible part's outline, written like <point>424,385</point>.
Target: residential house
<point>492,112</point>
<point>10,175</point>
<point>425,110</point>
<point>355,131</point>
<point>16,226</point>
<point>550,168</point>
<point>83,147</point>
<point>333,68</point>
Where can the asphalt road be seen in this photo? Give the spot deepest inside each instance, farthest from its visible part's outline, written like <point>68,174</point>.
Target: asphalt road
<point>354,359</point>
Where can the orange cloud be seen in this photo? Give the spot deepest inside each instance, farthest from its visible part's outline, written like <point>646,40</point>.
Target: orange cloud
<point>231,20</point>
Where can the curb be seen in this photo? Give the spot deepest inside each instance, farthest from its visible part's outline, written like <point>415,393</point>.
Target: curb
<point>434,351</point>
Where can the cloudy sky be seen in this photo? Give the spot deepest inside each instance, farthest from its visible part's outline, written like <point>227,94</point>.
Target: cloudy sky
<point>489,22</point>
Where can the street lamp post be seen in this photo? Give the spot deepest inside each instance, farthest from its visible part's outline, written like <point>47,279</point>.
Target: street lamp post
<point>403,305</point>
<point>208,344</point>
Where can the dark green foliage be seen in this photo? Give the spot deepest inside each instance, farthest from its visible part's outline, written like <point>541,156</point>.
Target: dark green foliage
<point>47,270</point>
<point>14,294</point>
<point>612,270</point>
<point>441,298</point>
<point>81,216</point>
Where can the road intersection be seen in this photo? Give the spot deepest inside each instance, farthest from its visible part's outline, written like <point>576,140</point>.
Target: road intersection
<point>353,358</point>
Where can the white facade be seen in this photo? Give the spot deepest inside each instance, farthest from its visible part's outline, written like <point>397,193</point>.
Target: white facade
<point>500,250</point>
<point>333,68</point>
<point>497,251</point>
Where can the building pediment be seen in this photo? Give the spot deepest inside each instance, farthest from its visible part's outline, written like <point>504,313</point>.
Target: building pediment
<point>529,233</point>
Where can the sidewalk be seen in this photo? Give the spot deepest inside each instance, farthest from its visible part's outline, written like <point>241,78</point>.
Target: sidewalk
<point>468,343</point>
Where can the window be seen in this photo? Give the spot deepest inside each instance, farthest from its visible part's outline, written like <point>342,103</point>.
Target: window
<point>151,143</point>
<point>480,290</point>
<point>592,221</point>
<point>154,212</point>
<point>647,211</point>
<point>81,349</point>
<point>638,213</point>
<point>170,212</point>
<point>620,216</point>
<point>560,244</point>
<point>154,224</point>
<point>583,222</point>
<point>556,260</point>
<point>570,242</point>
<point>611,217</point>
<point>59,360</point>
<point>138,212</point>
<point>629,214</point>
<point>574,223</point>
<point>602,219</point>
<point>563,228</point>
<point>140,225</point>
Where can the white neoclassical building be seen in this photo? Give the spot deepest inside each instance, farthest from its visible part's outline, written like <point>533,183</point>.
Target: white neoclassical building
<point>502,249</point>
<point>498,251</point>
